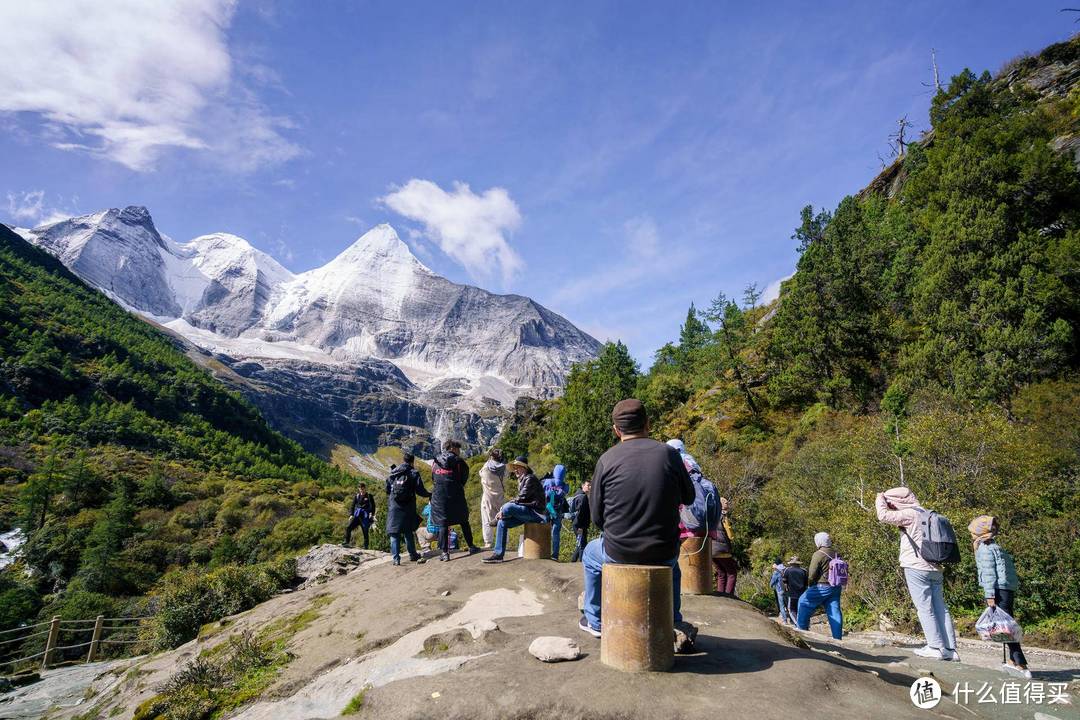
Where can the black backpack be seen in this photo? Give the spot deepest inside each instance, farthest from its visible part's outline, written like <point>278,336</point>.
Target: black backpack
<point>939,544</point>
<point>399,485</point>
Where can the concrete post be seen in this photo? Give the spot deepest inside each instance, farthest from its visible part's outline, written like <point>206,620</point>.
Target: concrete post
<point>95,641</point>
<point>50,641</point>
<point>637,618</point>
<point>695,561</point>
<point>537,541</point>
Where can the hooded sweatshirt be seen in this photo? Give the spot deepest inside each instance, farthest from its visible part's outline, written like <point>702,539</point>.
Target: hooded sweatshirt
<point>492,473</point>
<point>555,484</point>
<point>905,517</point>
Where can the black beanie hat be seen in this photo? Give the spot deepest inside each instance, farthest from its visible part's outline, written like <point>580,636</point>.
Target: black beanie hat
<point>629,416</point>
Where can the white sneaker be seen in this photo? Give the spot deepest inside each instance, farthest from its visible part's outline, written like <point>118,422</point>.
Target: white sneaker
<point>1016,670</point>
<point>928,652</point>
<point>950,655</point>
<point>583,625</point>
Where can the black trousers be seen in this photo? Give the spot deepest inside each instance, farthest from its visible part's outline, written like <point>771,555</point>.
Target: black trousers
<point>581,536</point>
<point>444,536</point>
<point>354,522</point>
<point>1005,600</point>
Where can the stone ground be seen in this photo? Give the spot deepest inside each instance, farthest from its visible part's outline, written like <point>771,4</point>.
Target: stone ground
<point>450,640</point>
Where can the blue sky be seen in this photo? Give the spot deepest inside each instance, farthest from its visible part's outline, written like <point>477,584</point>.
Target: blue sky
<point>613,160</point>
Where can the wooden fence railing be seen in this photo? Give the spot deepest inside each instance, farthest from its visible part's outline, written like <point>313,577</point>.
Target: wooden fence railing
<point>94,633</point>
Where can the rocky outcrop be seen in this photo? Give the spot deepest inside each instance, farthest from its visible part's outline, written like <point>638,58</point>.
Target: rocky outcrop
<point>366,405</point>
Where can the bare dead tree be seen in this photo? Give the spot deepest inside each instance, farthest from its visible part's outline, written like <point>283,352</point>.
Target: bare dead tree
<point>1074,10</point>
<point>898,140</point>
<point>861,500</point>
<point>936,86</point>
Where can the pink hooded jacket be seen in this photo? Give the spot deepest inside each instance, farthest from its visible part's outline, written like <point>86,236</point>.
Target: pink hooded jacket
<point>904,516</point>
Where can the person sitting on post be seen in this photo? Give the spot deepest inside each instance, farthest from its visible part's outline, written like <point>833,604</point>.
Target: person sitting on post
<point>528,507</point>
<point>637,488</point>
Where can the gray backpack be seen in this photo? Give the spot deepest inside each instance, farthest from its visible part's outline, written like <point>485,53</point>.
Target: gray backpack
<point>939,544</point>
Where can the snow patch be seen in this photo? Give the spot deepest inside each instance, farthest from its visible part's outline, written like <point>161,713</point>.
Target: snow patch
<point>245,347</point>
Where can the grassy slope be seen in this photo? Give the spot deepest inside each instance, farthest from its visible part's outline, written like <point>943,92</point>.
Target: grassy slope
<point>124,459</point>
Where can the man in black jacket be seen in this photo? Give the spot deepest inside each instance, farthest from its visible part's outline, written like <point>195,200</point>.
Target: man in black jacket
<point>402,487</point>
<point>637,488</point>
<point>449,473</point>
<point>528,507</point>
<point>582,519</point>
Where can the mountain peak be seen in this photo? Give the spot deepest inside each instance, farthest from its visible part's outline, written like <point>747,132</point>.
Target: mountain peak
<point>379,247</point>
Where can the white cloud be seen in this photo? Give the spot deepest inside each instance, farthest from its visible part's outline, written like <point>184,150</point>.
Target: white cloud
<point>128,79</point>
<point>640,258</point>
<point>772,290</point>
<point>29,209</point>
<point>472,229</point>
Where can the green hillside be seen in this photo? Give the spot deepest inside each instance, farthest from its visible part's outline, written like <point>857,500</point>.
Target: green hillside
<point>124,461</point>
<point>928,337</point>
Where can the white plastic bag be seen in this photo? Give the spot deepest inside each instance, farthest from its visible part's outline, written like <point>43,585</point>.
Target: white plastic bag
<point>996,625</point>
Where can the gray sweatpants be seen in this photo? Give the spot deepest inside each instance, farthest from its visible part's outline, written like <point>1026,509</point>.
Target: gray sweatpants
<point>928,595</point>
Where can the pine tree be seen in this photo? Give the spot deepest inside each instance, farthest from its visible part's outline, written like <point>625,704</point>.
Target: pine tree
<point>583,420</point>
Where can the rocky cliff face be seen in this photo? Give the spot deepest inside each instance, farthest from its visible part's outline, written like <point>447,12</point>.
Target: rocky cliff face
<point>372,348</point>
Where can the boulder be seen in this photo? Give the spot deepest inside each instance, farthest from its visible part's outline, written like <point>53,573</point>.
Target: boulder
<point>549,648</point>
<point>323,562</point>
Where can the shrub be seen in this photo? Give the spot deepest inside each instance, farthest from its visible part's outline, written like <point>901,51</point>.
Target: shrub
<point>299,533</point>
<point>185,600</point>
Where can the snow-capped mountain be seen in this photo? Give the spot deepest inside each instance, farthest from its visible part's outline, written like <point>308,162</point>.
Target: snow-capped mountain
<point>438,345</point>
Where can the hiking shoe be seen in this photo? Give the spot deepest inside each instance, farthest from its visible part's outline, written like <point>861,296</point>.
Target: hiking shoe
<point>444,557</point>
<point>473,549</point>
<point>397,561</point>
<point>584,626</point>
<point>928,652</point>
<point>493,558</point>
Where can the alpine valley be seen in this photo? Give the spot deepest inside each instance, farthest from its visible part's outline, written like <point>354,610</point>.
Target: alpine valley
<point>369,350</point>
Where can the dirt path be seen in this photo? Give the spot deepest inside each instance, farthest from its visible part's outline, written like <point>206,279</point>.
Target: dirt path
<point>978,672</point>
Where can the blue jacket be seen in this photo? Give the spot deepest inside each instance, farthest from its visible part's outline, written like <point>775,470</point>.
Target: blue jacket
<point>557,483</point>
<point>996,569</point>
<point>776,581</point>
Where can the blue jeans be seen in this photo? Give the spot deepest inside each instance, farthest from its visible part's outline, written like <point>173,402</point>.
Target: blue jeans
<point>556,536</point>
<point>781,600</point>
<point>395,545</point>
<point>816,596</point>
<point>512,516</point>
<point>593,560</point>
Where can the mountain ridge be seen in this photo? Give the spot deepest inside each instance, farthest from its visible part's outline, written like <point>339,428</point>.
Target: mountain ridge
<point>464,350</point>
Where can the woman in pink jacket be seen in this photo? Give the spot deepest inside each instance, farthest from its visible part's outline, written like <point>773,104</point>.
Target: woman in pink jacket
<point>900,507</point>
